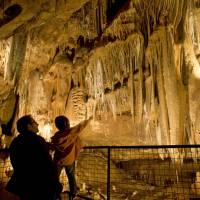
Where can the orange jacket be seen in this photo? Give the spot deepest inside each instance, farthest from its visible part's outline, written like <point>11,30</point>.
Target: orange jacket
<point>67,145</point>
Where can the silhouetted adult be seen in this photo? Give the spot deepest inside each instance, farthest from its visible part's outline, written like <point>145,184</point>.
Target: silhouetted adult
<point>67,145</point>
<point>35,176</point>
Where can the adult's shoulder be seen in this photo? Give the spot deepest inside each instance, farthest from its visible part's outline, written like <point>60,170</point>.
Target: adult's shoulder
<point>16,143</point>
<point>15,140</point>
<point>41,139</point>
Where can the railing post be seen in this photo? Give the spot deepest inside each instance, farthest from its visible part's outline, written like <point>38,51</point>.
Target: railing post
<point>108,175</point>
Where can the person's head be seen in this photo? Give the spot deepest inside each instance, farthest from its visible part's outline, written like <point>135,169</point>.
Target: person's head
<point>62,123</point>
<point>27,124</point>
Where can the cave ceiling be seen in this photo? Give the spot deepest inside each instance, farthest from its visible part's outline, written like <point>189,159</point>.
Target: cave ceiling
<point>133,65</point>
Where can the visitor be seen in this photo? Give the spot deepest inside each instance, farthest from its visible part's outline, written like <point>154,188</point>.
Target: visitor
<point>67,145</point>
<point>35,175</point>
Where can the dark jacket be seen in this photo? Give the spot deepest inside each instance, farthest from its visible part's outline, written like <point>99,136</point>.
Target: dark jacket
<point>34,174</point>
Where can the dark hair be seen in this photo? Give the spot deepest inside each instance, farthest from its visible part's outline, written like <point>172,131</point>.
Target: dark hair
<point>23,122</point>
<point>62,122</point>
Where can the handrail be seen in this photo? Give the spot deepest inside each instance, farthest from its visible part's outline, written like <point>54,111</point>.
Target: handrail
<point>132,147</point>
<point>144,146</point>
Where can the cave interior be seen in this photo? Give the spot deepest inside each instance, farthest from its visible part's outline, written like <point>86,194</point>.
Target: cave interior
<point>131,65</point>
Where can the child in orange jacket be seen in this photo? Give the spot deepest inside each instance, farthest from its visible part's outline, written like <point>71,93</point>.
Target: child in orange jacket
<point>67,145</point>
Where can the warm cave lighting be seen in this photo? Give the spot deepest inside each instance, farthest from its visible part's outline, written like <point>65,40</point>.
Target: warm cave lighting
<point>196,71</point>
<point>46,131</point>
<point>196,66</point>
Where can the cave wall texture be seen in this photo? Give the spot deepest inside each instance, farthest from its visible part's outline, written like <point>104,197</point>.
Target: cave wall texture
<point>133,65</point>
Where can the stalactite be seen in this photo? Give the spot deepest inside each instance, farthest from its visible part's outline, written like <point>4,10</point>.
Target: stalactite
<point>90,20</point>
<point>132,90</point>
<point>148,94</point>
<point>16,57</point>
<point>37,99</point>
<point>113,105</point>
<point>123,26</point>
<point>162,57</point>
<point>139,64</point>
<point>112,64</point>
<point>5,47</point>
<point>156,13</point>
<point>118,101</point>
<point>191,51</point>
<point>171,88</point>
<point>98,84</point>
<point>183,77</point>
<point>163,111</point>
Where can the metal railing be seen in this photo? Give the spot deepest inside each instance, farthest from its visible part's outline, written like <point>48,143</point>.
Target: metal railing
<point>140,172</point>
<point>133,172</point>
